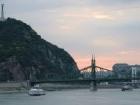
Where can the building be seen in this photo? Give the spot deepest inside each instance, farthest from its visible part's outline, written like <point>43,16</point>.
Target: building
<point>86,75</point>
<point>104,74</point>
<point>99,74</point>
<point>122,70</point>
<point>135,72</point>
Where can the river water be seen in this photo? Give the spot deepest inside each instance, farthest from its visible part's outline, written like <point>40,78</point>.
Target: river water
<point>74,97</point>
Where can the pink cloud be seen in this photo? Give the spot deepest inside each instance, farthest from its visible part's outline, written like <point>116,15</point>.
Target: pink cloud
<point>107,61</point>
<point>103,61</point>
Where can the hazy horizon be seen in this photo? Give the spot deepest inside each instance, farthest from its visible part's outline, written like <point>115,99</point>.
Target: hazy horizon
<point>109,27</point>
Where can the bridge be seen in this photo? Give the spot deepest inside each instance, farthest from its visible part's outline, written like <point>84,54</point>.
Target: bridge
<point>92,75</point>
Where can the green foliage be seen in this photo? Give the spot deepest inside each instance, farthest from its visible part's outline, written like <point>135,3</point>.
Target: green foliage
<point>34,54</point>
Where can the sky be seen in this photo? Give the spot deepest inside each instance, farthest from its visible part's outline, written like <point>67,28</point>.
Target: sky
<point>108,28</point>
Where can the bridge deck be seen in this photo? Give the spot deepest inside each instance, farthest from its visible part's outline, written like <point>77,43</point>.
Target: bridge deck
<point>87,80</point>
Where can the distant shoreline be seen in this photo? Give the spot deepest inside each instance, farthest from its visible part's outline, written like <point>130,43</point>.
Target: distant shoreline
<point>13,87</point>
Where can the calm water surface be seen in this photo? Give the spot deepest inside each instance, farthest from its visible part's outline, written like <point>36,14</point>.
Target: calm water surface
<point>74,97</point>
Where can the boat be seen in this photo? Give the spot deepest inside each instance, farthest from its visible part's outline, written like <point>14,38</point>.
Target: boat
<point>127,88</point>
<point>36,91</point>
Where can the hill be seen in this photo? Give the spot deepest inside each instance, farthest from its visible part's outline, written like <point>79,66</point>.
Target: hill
<point>25,55</point>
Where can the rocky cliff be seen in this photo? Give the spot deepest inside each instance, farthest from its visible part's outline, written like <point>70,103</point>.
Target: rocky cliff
<point>25,55</point>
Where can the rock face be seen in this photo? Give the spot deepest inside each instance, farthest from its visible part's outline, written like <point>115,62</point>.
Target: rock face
<point>25,55</point>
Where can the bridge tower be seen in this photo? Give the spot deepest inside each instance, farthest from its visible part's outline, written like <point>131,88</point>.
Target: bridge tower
<point>2,13</point>
<point>93,74</point>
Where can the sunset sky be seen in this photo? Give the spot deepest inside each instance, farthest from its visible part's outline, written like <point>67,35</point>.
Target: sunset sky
<point>110,28</point>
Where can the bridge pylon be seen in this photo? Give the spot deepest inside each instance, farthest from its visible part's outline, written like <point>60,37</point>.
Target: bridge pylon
<point>93,85</point>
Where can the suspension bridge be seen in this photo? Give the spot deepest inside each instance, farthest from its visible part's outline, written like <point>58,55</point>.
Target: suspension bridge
<point>92,75</point>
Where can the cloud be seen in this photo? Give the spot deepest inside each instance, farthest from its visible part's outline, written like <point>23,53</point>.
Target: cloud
<point>105,42</point>
<point>87,14</point>
<point>113,3</point>
<point>108,26</point>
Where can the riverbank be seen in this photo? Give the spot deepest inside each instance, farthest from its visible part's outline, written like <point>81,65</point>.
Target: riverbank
<point>50,86</point>
<point>12,87</point>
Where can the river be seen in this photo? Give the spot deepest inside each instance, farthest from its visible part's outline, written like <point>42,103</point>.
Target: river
<point>75,97</point>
